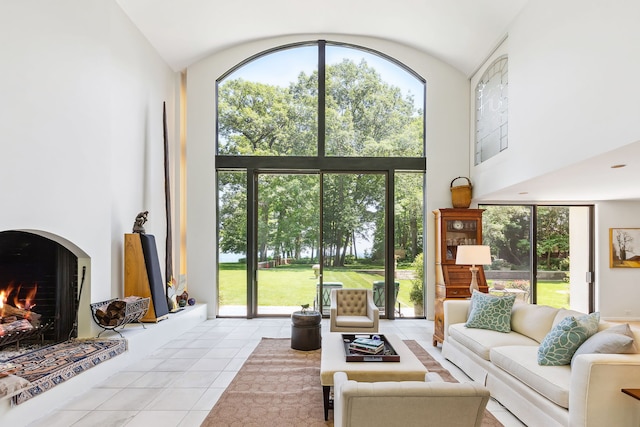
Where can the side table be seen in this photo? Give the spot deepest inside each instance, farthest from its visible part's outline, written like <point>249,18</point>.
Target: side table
<point>305,330</point>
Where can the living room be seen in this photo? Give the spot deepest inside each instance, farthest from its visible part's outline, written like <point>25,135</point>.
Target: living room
<point>82,99</point>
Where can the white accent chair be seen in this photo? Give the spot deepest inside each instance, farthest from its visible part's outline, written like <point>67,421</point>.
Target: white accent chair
<point>353,310</point>
<point>433,403</point>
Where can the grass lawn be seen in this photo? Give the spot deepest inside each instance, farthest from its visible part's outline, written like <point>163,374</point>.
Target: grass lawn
<point>293,285</point>
<point>555,294</point>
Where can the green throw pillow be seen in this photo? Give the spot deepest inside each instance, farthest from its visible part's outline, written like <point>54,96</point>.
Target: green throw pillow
<point>557,348</point>
<point>490,312</point>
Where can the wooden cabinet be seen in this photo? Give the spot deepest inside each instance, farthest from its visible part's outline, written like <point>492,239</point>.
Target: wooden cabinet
<point>454,227</point>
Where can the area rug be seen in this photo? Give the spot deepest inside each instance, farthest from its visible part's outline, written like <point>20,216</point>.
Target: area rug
<point>281,386</point>
<point>49,366</point>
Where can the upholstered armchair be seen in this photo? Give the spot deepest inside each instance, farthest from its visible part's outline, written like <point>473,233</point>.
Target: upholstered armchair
<point>353,310</point>
<point>433,403</point>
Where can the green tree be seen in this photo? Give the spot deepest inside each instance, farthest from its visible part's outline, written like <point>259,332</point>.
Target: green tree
<point>553,236</point>
<point>365,116</point>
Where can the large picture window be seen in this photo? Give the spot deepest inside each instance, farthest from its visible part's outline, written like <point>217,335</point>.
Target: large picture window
<point>320,163</point>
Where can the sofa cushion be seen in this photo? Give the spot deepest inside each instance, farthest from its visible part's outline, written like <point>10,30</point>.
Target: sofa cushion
<point>480,341</point>
<point>553,382</point>
<point>615,340</point>
<point>532,320</point>
<point>561,342</point>
<point>490,312</point>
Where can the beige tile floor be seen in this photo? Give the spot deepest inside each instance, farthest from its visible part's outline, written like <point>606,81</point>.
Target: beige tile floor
<point>178,384</point>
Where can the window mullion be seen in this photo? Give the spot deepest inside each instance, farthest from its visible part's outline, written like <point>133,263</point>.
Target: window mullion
<point>321,98</point>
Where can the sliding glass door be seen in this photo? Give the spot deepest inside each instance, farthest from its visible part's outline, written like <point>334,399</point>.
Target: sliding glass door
<point>288,212</point>
<point>542,254</point>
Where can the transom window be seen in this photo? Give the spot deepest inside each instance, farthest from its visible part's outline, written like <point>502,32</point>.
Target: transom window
<point>321,99</point>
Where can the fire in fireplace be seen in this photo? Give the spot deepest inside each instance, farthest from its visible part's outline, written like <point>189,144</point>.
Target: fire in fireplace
<point>38,286</point>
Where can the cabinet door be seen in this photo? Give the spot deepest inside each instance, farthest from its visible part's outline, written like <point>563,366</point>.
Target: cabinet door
<point>459,232</point>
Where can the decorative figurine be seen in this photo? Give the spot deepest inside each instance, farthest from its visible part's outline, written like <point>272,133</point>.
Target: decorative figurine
<point>138,225</point>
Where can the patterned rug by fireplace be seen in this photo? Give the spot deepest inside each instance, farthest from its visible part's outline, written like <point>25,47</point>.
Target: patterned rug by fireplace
<point>49,366</point>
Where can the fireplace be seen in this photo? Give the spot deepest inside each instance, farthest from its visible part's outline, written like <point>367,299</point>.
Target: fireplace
<point>39,275</point>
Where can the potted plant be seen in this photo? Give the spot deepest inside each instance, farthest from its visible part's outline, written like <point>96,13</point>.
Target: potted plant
<point>416,296</point>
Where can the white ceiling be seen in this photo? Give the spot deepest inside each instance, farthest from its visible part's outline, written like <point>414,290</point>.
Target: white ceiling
<point>459,32</point>
<point>584,182</point>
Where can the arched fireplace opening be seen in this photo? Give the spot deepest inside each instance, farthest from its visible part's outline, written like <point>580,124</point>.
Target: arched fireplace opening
<point>38,278</point>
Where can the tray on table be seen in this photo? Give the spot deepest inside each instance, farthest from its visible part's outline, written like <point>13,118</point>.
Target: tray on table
<point>389,354</point>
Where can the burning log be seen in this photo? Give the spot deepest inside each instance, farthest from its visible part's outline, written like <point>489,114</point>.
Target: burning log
<point>10,311</point>
<point>17,326</point>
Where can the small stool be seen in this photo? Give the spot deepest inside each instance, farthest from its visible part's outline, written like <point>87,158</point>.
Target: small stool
<point>305,330</point>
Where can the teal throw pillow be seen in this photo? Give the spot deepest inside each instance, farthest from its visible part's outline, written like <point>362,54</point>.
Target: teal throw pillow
<point>557,348</point>
<point>590,322</point>
<point>490,312</point>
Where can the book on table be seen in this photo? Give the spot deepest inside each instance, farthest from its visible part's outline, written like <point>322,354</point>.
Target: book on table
<point>366,345</point>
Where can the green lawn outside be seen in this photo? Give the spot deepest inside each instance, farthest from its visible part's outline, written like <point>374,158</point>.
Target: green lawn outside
<point>294,285</point>
<point>555,294</point>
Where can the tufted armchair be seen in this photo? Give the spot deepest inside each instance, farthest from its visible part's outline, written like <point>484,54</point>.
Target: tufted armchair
<point>408,403</point>
<point>353,310</point>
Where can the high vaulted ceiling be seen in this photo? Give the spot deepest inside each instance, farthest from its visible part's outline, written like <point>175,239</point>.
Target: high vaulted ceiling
<point>459,32</point>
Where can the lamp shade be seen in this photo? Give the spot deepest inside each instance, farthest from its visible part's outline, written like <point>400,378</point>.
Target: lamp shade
<point>473,255</point>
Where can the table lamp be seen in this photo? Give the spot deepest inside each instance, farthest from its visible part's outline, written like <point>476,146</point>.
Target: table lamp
<point>473,255</point>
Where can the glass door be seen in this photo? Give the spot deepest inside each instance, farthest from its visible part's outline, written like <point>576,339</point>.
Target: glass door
<point>563,257</point>
<point>353,234</point>
<point>543,254</point>
<point>232,244</point>
<point>288,212</point>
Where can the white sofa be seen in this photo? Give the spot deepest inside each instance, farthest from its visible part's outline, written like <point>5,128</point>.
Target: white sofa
<point>585,393</point>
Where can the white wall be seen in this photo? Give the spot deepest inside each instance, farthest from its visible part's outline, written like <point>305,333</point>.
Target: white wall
<point>573,94</point>
<point>617,289</point>
<point>573,88</point>
<point>81,126</point>
<point>447,136</point>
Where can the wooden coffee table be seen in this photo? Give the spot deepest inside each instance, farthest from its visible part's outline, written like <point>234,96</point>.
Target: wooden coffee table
<point>333,360</point>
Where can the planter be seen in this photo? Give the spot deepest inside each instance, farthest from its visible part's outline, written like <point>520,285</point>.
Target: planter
<point>418,310</point>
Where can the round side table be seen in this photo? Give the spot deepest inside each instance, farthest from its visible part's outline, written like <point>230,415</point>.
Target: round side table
<point>305,330</point>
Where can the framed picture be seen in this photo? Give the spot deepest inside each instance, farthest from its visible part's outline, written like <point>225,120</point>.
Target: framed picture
<point>624,247</point>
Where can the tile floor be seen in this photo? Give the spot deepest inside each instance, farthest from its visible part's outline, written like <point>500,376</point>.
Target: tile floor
<point>178,384</point>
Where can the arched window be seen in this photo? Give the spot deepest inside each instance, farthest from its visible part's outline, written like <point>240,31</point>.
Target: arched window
<point>492,111</point>
<point>321,99</point>
<point>320,165</point>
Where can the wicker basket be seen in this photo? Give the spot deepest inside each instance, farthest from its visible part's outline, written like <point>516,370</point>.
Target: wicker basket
<point>461,194</point>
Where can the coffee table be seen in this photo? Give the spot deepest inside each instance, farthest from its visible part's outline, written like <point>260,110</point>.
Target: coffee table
<point>333,360</point>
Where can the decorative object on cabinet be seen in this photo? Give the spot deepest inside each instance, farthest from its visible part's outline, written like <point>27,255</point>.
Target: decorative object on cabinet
<point>461,194</point>
<point>472,255</point>
<point>454,228</point>
<point>138,223</point>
